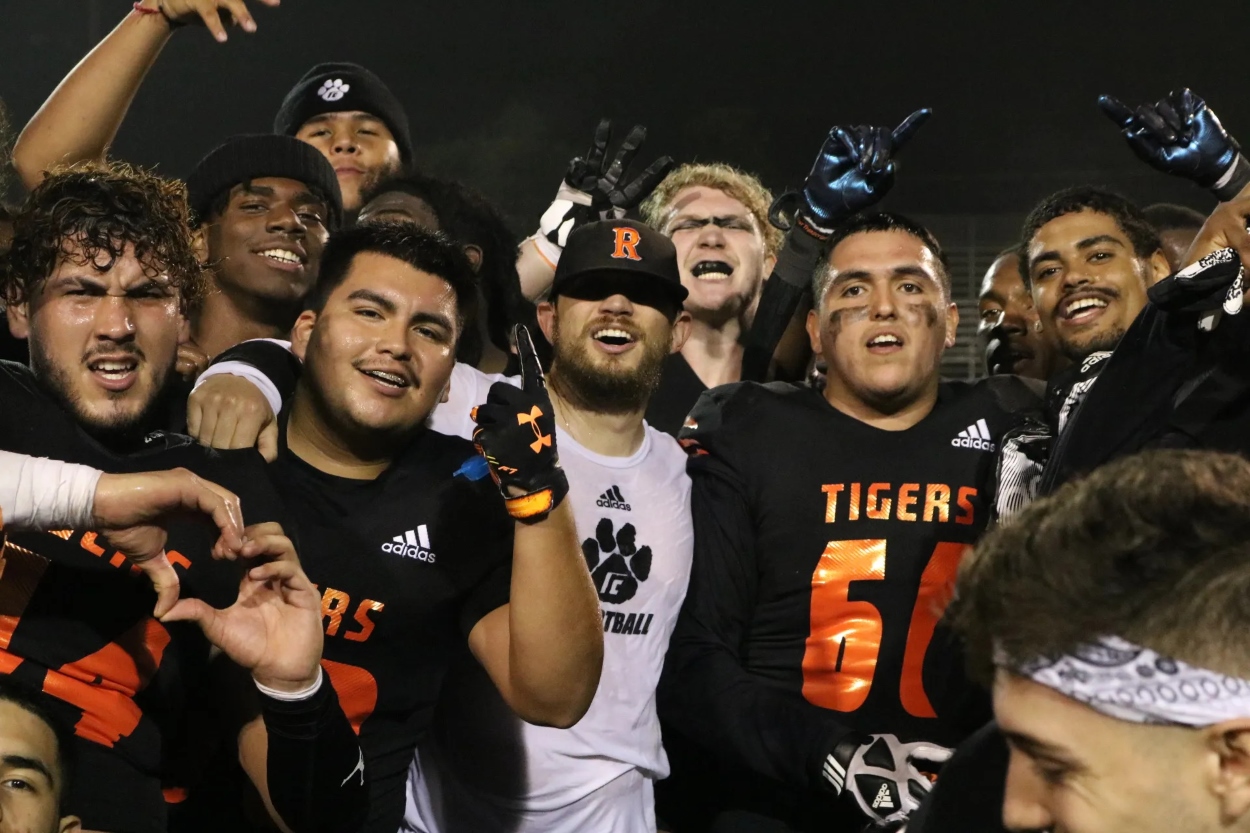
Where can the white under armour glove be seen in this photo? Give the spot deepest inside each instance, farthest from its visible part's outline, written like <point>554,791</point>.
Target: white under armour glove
<point>880,774</point>
<point>595,188</point>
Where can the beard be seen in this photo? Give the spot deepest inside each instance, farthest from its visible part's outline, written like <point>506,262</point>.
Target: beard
<point>116,430</point>
<point>1077,353</point>
<point>604,390</point>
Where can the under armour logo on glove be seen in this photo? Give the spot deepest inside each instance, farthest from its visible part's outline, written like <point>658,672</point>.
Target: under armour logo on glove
<point>882,776</point>
<point>516,434</point>
<point>333,90</point>
<point>623,563</point>
<point>531,419</point>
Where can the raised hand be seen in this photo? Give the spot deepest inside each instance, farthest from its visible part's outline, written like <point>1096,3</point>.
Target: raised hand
<point>516,434</point>
<point>208,13</point>
<point>854,170</point>
<point>594,189</point>
<point>130,511</point>
<point>1178,135</point>
<point>274,627</point>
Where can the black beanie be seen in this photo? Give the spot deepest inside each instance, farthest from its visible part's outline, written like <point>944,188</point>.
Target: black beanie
<point>339,87</point>
<point>243,158</point>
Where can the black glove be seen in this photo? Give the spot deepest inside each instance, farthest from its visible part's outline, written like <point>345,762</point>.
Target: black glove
<point>880,773</point>
<point>1182,136</point>
<point>516,433</point>
<point>594,190</point>
<point>854,170</point>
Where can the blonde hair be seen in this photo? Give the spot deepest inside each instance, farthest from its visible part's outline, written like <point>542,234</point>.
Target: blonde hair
<point>727,179</point>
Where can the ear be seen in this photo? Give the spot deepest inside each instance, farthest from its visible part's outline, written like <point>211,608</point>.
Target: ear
<point>1158,268</point>
<point>547,320</point>
<point>952,323</point>
<point>302,332</point>
<point>474,254</point>
<point>19,321</point>
<point>813,330</point>
<point>70,824</point>
<point>681,331</point>
<point>199,242</point>
<point>1230,780</point>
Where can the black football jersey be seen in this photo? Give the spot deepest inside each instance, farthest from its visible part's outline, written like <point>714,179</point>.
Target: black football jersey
<point>825,553</point>
<point>75,617</point>
<point>406,564</point>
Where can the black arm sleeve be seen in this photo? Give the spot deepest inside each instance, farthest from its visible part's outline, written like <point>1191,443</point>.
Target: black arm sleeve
<point>273,360</point>
<point>315,769</point>
<point>705,690</point>
<point>783,292</point>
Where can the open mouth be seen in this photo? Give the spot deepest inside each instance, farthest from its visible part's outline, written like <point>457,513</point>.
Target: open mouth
<point>282,257</point>
<point>885,343</point>
<point>114,374</point>
<point>712,270</point>
<point>394,381</point>
<point>613,339</point>
<point>1083,309</point>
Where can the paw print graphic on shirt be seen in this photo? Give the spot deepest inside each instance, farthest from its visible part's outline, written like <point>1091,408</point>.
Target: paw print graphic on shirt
<point>616,562</point>
<point>333,89</point>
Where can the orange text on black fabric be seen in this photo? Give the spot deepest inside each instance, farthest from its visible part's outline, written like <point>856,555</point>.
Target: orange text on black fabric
<point>335,604</point>
<point>928,503</point>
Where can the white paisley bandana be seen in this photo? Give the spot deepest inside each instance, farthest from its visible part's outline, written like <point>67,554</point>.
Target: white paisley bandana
<point>1125,681</point>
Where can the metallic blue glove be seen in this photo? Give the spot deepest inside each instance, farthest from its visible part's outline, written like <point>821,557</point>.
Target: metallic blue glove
<point>854,170</point>
<point>1179,135</point>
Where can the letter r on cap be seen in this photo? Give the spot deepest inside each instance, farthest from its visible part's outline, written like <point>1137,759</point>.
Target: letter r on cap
<point>627,240</point>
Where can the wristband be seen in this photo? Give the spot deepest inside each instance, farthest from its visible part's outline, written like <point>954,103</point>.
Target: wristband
<point>244,371</point>
<point>1234,179</point>
<point>536,506</point>
<point>292,696</point>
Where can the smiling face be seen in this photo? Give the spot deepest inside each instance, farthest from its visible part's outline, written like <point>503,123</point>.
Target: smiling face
<point>31,779</point>
<point>379,355</point>
<point>266,243</point>
<point>1009,325</point>
<point>609,352</point>
<point>721,253</point>
<point>1088,283</point>
<point>883,321</point>
<point>359,146</point>
<point>103,339</point>
<point>1073,770</point>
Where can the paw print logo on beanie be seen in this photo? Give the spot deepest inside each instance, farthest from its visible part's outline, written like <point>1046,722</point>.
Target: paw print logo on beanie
<point>333,89</point>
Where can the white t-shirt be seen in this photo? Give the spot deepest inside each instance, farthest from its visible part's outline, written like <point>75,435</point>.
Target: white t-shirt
<point>467,390</point>
<point>633,515</point>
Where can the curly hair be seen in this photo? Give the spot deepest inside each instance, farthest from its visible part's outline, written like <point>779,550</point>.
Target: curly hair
<point>94,210</point>
<point>1135,225</point>
<point>740,185</point>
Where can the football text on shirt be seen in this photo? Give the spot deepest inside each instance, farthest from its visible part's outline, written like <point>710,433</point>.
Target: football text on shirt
<point>909,502</point>
<point>335,603</point>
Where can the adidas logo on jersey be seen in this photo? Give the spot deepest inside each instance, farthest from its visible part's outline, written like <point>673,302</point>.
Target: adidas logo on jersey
<point>975,436</point>
<point>415,543</point>
<point>883,801</point>
<point>613,499</point>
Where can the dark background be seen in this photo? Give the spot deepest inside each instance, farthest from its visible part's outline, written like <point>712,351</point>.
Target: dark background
<point>501,94</point>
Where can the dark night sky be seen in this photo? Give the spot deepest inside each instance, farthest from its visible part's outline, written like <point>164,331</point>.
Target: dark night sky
<point>502,94</point>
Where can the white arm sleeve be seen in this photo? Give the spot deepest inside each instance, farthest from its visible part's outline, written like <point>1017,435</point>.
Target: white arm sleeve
<point>41,494</point>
